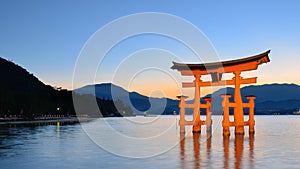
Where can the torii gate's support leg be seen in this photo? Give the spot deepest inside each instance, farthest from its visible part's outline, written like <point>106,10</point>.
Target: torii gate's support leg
<point>196,113</point>
<point>251,114</point>
<point>225,123</point>
<point>208,115</point>
<point>238,109</point>
<point>182,121</point>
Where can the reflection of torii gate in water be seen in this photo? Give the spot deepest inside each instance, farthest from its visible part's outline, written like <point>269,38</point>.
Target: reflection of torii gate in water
<point>216,70</point>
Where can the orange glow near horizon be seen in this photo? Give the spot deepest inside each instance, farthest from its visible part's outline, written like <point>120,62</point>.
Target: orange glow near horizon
<point>171,90</point>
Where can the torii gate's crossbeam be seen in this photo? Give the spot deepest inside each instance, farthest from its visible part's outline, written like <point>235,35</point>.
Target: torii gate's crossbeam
<point>216,70</point>
<point>245,64</point>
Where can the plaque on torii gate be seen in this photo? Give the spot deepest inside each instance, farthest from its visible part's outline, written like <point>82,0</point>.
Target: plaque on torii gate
<point>216,70</point>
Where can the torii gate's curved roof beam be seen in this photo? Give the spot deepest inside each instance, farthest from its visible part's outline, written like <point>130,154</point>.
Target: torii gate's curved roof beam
<point>245,64</point>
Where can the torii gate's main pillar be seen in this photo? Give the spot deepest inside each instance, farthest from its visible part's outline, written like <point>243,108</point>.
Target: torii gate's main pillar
<point>216,70</point>
<point>238,109</point>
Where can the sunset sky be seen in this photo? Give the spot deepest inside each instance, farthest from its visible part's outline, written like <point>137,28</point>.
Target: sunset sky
<point>46,38</point>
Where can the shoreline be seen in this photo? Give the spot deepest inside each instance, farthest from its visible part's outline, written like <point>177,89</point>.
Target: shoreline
<point>36,121</point>
<point>88,119</point>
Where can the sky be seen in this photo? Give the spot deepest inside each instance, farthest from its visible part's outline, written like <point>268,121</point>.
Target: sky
<point>47,38</point>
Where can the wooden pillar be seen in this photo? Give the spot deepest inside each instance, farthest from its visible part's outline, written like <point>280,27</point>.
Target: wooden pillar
<point>181,105</point>
<point>225,123</point>
<point>196,113</point>
<point>208,114</point>
<point>251,114</point>
<point>238,109</point>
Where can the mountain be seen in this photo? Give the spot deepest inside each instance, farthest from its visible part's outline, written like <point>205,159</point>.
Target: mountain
<point>274,92</point>
<point>18,79</point>
<point>275,98</point>
<point>270,98</point>
<point>137,102</point>
<point>25,96</point>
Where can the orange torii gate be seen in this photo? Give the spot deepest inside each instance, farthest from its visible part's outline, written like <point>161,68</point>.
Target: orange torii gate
<point>216,70</point>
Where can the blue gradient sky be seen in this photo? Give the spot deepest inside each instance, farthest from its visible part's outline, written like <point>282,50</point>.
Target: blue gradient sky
<point>45,37</point>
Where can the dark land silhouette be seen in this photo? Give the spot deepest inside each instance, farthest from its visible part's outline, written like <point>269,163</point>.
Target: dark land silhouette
<point>270,98</point>
<point>24,96</point>
<point>139,104</point>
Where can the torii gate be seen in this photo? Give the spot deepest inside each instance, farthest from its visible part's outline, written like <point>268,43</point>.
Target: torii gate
<point>216,70</point>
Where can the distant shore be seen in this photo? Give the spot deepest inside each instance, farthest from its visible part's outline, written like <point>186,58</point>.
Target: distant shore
<point>46,120</point>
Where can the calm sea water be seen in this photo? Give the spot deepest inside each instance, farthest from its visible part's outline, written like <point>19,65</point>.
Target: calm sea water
<point>150,142</point>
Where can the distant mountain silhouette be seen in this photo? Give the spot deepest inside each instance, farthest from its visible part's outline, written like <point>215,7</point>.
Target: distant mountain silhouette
<point>24,95</point>
<point>271,98</point>
<point>138,103</point>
